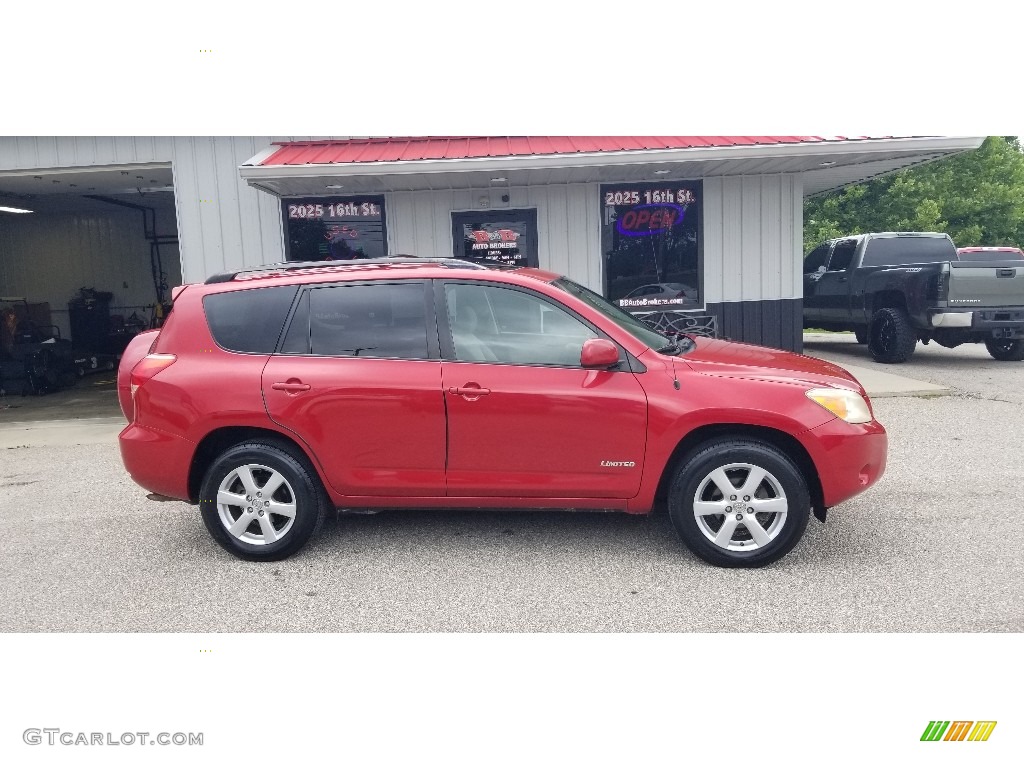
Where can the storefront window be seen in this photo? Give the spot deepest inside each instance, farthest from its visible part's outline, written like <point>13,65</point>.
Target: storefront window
<point>650,238</point>
<point>334,228</point>
<point>505,236</point>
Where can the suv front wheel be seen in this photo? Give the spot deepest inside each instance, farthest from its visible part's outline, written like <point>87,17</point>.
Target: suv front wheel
<point>260,502</point>
<point>739,503</point>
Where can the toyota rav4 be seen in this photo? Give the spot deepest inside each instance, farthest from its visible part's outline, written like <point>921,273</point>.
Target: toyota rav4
<point>273,395</point>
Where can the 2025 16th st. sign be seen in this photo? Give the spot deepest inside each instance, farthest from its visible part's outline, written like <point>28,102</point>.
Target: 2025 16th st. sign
<point>650,238</point>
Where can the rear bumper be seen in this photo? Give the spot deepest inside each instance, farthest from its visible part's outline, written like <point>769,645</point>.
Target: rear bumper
<point>157,461</point>
<point>952,320</point>
<point>849,457</point>
<point>1006,323</point>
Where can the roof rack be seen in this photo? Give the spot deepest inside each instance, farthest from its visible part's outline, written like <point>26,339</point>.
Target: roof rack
<point>289,266</point>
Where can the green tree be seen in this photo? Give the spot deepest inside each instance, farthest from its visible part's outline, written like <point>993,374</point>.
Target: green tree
<point>976,197</point>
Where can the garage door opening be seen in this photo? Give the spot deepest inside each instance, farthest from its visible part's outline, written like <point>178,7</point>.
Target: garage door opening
<point>87,259</point>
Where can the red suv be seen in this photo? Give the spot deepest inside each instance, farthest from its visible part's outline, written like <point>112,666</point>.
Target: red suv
<point>273,395</point>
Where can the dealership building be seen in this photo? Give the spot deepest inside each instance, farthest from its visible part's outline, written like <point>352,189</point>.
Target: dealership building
<point>709,226</point>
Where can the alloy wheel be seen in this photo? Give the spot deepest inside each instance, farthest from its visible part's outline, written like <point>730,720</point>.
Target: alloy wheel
<point>740,507</point>
<point>256,504</point>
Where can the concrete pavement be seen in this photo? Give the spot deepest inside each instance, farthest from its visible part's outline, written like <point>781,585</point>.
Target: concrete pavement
<point>878,383</point>
<point>60,432</point>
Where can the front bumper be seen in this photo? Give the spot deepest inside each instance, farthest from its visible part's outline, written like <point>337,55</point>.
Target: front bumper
<point>849,457</point>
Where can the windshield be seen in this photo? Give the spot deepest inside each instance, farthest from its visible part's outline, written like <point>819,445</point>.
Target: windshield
<point>624,320</point>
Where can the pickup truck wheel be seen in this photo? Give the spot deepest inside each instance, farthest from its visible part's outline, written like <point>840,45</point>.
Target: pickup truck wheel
<point>891,338</point>
<point>739,503</point>
<point>1005,349</point>
<point>259,502</point>
<point>861,334</point>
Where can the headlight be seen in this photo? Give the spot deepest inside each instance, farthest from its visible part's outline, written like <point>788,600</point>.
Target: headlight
<point>847,405</point>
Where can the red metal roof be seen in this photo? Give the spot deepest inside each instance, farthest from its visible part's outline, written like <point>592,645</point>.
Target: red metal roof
<point>394,149</point>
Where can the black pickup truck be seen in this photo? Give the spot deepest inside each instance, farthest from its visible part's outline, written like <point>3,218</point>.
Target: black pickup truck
<point>895,288</point>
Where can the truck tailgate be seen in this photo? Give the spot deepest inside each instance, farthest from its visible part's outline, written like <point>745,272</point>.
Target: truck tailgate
<point>988,284</point>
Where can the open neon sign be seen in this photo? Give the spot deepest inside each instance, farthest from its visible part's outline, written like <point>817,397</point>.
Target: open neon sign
<point>652,219</point>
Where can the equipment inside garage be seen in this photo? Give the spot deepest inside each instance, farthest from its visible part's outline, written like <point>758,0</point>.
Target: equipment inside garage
<point>87,259</point>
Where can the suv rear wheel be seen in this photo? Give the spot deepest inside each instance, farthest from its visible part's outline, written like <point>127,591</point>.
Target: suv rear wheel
<point>1005,349</point>
<point>739,503</point>
<point>891,337</point>
<point>260,502</point>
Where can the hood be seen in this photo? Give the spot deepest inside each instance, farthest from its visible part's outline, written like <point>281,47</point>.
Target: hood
<point>715,357</point>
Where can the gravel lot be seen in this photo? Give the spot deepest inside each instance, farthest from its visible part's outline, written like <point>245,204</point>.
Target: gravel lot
<point>935,546</point>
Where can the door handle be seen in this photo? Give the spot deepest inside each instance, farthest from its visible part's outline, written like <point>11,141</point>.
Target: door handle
<point>470,391</point>
<point>290,386</point>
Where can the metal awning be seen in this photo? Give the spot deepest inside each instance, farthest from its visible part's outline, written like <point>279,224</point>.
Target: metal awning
<point>376,165</point>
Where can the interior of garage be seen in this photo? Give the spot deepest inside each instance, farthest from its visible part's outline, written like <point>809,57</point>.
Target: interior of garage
<point>87,260</point>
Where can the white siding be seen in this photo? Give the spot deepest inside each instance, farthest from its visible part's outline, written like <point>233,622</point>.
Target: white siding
<point>713,236</point>
<point>568,224</point>
<point>753,234</point>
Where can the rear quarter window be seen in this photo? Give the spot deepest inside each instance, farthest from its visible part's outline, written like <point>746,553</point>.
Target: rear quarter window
<point>249,320</point>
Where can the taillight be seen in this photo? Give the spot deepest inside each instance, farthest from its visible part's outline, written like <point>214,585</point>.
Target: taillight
<point>147,368</point>
<point>942,285</point>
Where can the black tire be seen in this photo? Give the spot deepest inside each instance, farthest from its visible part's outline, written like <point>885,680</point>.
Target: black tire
<point>861,334</point>
<point>784,528</point>
<point>891,338</point>
<point>301,490</point>
<point>1005,349</point>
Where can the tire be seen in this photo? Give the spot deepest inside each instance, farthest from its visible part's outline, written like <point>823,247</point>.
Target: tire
<point>891,337</point>
<point>861,334</point>
<point>1005,349</point>
<point>781,495</point>
<point>294,510</point>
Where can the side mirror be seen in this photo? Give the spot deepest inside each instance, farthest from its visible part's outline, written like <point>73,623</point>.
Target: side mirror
<point>599,353</point>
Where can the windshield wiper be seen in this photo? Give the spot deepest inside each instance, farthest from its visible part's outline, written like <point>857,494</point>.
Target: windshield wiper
<point>676,346</point>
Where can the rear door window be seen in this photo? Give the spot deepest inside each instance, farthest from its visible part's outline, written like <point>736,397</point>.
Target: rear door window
<point>367,320</point>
